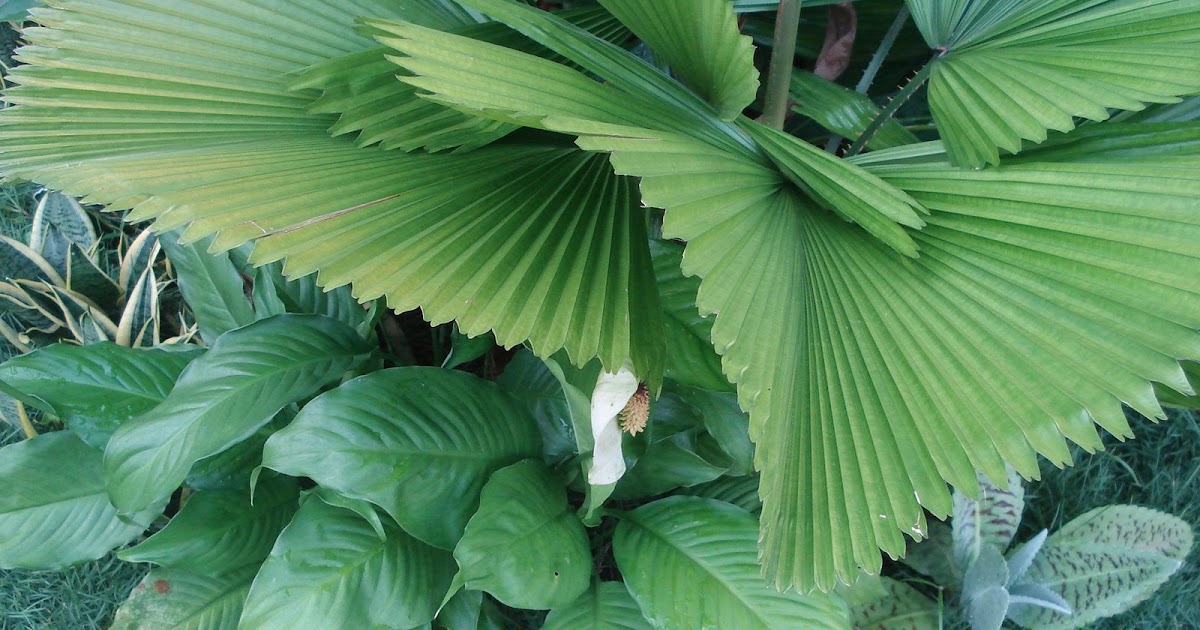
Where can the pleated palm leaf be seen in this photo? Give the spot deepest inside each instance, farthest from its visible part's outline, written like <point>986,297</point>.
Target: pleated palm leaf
<point>892,321</point>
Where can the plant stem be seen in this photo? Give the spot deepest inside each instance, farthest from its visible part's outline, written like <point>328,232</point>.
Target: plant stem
<point>783,54</point>
<point>26,425</point>
<point>881,53</point>
<point>890,109</point>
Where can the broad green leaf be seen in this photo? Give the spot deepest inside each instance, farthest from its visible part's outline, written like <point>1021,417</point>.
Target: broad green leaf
<point>304,295</point>
<point>469,610</point>
<point>54,511</point>
<point>265,297</point>
<point>464,349</point>
<point>605,606</point>
<point>681,460</point>
<point>185,600</point>
<point>222,398</point>
<point>690,356</point>
<point>330,570</point>
<point>727,424</point>
<point>527,379</point>
<point>990,520</point>
<point>16,10</point>
<point>844,111</point>
<point>848,190</point>
<point>700,41</point>
<point>418,442</point>
<point>740,491</point>
<point>244,159</point>
<point>1105,562</point>
<point>525,546</point>
<point>1008,71</point>
<point>691,563</point>
<point>896,606</point>
<point>211,286</point>
<point>219,529</point>
<point>95,389</point>
<point>362,508</point>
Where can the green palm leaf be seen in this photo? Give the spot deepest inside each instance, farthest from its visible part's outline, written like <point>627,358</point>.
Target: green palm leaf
<point>1010,70</point>
<point>702,43</point>
<point>211,137</point>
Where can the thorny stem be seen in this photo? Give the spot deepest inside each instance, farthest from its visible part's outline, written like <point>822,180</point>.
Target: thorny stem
<point>868,77</point>
<point>783,54</point>
<point>891,108</point>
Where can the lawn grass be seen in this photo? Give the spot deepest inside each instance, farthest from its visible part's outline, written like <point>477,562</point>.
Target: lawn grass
<point>1160,469</point>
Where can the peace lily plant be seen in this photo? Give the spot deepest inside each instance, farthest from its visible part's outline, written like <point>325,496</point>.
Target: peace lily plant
<point>913,307</point>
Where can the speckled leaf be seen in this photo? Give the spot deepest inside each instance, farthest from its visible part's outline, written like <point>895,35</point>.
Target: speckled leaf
<point>1104,562</point>
<point>892,605</point>
<point>992,520</point>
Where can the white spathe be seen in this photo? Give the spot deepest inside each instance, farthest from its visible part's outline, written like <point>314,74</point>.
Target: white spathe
<point>612,393</point>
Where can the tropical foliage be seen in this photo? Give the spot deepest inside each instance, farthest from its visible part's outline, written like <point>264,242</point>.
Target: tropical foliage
<point>1097,565</point>
<point>890,320</point>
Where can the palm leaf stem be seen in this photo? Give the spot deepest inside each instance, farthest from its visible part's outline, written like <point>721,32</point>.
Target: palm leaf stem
<point>779,77</point>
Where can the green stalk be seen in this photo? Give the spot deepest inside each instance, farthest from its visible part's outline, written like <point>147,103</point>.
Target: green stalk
<point>783,54</point>
<point>868,77</point>
<point>891,108</point>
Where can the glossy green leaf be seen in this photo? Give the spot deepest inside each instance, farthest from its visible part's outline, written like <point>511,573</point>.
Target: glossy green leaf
<point>54,511</point>
<point>418,442</point>
<point>1008,71</point>
<point>304,295</point>
<point>727,424</point>
<point>362,508</point>
<point>690,356</point>
<point>701,42</point>
<point>464,349</point>
<point>223,397</point>
<point>220,529</point>
<point>934,555</point>
<point>740,491</point>
<point>1104,562</point>
<point>95,389</point>
<point>16,10</point>
<point>691,563</point>
<point>184,600</point>
<point>681,460</point>
<point>330,570</point>
<point>525,546</point>
<point>211,286</point>
<point>605,606</point>
<point>992,519</point>
<point>527,379</point>
<point>843,111</point>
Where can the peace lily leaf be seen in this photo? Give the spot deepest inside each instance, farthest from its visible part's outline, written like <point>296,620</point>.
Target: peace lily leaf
<point>740,491</point>
<point>244,159</point>
<point>605,606</point>
<point>464,349</point>
<point>468,610</point>
<point>54,511</point>
<point>16,10</point>
<point>95,389</point>
<point>211,286</point>
<point>727,424</point>
<point>1009,71</point>
<point>184,600</point>
<point>418,442</point>
<point>220,529</point>
<point>223,397</point>
<point>534,386</point>
<point>992,520</point>
<point>265,296</point>
<point>680,460</point>
<point>329,570</point>
<point>700,41</point>
<point>691,563</point>
<point>304,295</point>
<point>690,357</point>
<point>844,111</point>
<point>362,508</point>
<point>896,606</point>
<point>525,546</point>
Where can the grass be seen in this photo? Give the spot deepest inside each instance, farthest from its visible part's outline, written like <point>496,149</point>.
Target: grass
<point>1160,469</point>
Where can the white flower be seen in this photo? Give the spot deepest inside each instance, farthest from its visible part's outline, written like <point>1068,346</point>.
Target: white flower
<point>612,393</point>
